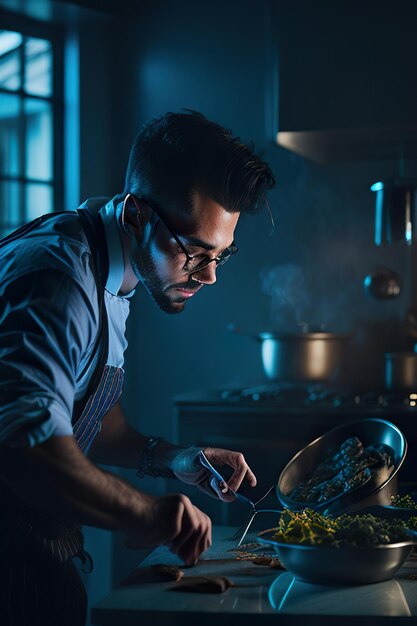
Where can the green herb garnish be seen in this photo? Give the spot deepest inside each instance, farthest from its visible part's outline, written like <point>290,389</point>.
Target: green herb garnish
<point>404,502</point>
<point>311,528</point>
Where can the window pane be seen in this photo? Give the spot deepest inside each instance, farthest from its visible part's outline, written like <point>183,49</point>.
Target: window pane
<point>9,134</point>
<point>9,206</point>
<point>38,115</point>
<point>38,67</point>
<point>39,200</point>
<point>10,59</point>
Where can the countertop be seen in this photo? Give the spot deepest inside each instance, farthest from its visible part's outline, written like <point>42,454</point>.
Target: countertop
<point>262,595</point>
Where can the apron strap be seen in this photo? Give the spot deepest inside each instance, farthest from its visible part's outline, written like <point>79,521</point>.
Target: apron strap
<point>94,231</point>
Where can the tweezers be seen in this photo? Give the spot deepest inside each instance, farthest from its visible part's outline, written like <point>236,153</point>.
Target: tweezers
<point>243,531</point>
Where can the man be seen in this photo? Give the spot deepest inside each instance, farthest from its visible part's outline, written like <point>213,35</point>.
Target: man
<point>65,284</point>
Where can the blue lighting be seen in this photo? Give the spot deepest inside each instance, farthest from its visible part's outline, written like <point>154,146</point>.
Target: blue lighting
<point>367,281</point>
<point>72,122</point>
<point>409,233</point>
<point>378,214</point>
<point>284,597</point>
<point>377,186</point>
<point>9,40</point>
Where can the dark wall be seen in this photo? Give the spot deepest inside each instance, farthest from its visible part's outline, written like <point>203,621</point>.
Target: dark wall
<point>351,61</point>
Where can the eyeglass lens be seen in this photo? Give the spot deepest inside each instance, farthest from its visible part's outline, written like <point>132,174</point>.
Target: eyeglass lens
<point>194,264</point>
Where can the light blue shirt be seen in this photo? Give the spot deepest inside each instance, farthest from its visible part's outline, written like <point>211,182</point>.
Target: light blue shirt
<point>49,319</point>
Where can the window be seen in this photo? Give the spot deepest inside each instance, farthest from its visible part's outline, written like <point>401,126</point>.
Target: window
<point>28,128</point>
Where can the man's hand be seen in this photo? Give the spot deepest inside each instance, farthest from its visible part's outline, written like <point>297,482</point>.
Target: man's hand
<point>186,467</point>
<point>174,521</point>
<point>57,478</point>
<point>235,460</point>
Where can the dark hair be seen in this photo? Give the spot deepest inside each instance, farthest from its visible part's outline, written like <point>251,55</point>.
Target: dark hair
<point>179,153</point>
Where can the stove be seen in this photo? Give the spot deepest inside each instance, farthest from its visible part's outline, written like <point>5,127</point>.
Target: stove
<point>288,395</point>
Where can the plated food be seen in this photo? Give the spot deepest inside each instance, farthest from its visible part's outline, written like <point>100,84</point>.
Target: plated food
<point>345,550</point>
<point>311,528</point>
<point>352,466</point>
<point>322,536</point>
<point>349,467</point>
<point>406,501</point>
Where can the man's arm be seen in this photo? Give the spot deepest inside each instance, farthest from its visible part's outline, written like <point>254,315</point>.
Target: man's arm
<point>117,443</point>
<point>121,445</point>
<point>56,477</point>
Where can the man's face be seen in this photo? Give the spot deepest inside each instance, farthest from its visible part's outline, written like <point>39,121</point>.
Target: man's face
<point>158,261</point>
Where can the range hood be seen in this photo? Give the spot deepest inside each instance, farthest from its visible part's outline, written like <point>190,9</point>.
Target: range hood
<point>337,145</point>
<point>346,79</point>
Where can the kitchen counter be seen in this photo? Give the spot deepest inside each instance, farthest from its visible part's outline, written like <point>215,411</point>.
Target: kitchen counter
<point>260,593</point>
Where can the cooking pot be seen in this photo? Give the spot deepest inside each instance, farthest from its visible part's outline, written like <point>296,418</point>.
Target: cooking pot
<point>302,357</point>
<point>401,371</point>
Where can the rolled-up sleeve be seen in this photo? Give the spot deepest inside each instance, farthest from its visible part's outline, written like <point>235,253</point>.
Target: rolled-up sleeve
<point>47,322</point>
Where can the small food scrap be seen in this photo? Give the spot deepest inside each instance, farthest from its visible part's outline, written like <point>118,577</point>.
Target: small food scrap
<point>168,572</point>
<point>262,560</point>
<point>242,554</point>
<point>246,556</point>
<point>268,561</point>
<point>247,547</point>
<point>257,558</point>
<point>412,576</point>
<point>204,584</point>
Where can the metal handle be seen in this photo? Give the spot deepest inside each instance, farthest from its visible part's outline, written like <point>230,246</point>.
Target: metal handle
<point>206,463</point>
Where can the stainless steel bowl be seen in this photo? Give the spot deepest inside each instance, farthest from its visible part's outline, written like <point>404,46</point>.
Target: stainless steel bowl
<point>377,490</point>
<point>346,565</point>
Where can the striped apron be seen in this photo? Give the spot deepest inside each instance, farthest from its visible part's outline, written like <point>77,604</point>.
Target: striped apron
<point>39,584</point>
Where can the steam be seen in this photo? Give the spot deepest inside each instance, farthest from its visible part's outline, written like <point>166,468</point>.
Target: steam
<point>286,285</point>
<point>306,299</point>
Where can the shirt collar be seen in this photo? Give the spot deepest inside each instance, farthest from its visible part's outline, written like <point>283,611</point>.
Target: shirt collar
<point>110,213</point>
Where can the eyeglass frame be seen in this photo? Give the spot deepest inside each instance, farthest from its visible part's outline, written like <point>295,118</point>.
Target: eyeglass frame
<point>189,257</point>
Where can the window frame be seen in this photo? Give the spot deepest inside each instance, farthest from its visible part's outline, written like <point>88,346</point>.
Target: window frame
<point>55,34</point>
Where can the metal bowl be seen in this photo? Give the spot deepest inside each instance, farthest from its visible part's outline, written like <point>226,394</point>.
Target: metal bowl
<point>346,565</point>
<point>377,490</point>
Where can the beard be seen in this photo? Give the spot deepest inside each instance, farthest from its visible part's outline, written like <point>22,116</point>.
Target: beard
<point>146,271</point>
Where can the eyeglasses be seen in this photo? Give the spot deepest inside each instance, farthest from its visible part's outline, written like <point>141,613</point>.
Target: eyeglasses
<point>193,263</point>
